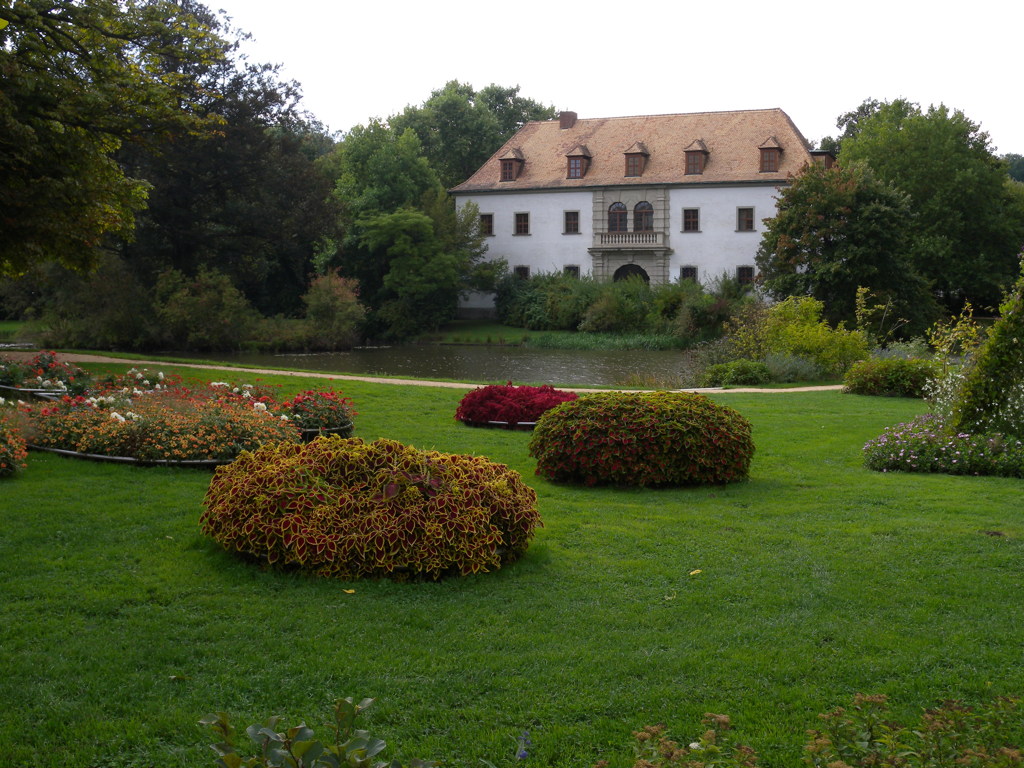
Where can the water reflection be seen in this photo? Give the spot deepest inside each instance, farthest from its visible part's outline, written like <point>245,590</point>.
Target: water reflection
<point>490,364</point>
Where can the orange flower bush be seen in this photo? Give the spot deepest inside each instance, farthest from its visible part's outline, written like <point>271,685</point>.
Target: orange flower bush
<point>12,445</point>
<point>348,509</point>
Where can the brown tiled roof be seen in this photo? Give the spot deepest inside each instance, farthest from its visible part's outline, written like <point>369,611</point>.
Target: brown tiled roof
<point>732,140</point>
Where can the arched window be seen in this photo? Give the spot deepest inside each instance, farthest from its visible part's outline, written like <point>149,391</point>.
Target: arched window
<point>643,217</point>
<point>618,218</point>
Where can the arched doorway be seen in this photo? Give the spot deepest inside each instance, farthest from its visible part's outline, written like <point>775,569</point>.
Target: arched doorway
<point>631,270</point>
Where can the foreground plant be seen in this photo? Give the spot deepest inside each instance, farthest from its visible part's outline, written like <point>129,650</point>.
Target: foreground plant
<point>298,747</point>
<point>863,736</point>
<point>348,509</point>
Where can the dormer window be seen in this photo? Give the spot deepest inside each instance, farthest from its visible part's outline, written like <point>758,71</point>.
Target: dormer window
<point>771,154</point>
<point>636,159</point>
<point>696,156</point>
<point>511,165</point>
<point>578,161</point>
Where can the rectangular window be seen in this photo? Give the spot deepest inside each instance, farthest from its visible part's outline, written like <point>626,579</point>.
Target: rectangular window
<point>744,219</point>
<point>572,223</point>
<point>634,165</point>
<point>487,224</point>
<point>571,270</point>
<point>769,160</point>
<point>522,223</point>
<point>694,163</point>
<point>508,170</point>
<point>575,168</point>
<point>521,272</point>
<point>691,220</point>
<point>688,273</point>
<point>745,275</point>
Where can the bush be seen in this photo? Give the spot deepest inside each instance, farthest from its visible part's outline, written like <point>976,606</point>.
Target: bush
<point>348,509</point>
<point>991,398</point>
<point>12,445</point>
<point>736,372</point>
<point>206,312</point>
<point>316,409</point>
<point>786,369</point>
<point>620,307</point>
<point>334,315</point>
<point>924,445</point>
<point>646,439</point>
<point>890,377</point>
<point>509,404</point>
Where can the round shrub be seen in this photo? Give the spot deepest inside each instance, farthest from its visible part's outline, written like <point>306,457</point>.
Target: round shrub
<point>509,404</point>
<point>646,439</point>
<point>749,372</point>
<point>344,508</point>
<point>890,377</point>
<point>12,447</point>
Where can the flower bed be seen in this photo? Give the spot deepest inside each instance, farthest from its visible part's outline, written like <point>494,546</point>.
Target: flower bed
<point>348,509</point>
<point>508,405</point>
<point>44,374</point>
<point>12,444</point>
<point>923,445</point>
<point>146,417</point>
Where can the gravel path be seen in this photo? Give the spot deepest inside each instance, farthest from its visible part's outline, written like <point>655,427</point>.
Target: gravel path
<point>79,358</point>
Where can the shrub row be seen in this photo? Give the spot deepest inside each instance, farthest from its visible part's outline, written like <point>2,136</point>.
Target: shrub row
<point>348,509</point>
<point>645,439</point>
<point>890,377</point>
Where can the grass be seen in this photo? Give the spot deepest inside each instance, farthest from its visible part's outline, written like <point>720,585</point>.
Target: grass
<point>490,332</point>
<point>11,330</point>
<point>120,625</point>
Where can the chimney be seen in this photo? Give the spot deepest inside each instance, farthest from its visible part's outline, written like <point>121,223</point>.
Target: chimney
<point>566,120</point>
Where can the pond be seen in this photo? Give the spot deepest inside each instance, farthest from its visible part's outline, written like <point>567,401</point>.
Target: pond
<point>490,364</point>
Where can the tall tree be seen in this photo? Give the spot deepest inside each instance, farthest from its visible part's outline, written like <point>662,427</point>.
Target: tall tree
<point>77,80</point>
<point>836,230</point>
<point>247,199</point>
<point>459,128</point>
<point>967,227</point>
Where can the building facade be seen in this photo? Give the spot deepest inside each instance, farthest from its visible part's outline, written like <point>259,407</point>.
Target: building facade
<point>664,197</point>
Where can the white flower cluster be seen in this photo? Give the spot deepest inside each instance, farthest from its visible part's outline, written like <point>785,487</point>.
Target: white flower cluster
<point>103,401</point>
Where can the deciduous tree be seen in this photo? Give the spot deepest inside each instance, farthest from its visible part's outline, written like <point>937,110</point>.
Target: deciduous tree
<point>839,229</point>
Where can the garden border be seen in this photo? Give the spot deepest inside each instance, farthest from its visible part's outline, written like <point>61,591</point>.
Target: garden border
<point>197,463</point>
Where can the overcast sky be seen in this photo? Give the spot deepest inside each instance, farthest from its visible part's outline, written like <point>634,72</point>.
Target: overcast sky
<point>815,60</point>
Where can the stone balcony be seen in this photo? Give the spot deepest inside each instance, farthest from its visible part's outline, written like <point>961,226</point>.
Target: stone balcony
<point>630,240</point>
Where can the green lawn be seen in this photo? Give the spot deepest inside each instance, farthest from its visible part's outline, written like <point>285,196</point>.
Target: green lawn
<point>121,626</point>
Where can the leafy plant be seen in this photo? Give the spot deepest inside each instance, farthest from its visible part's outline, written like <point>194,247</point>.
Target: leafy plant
<point>736,372</point>
<point>509,404</point>
<point>645,439</point>
<point>348,509</point>
<point>893,377</point>
<point>298,747</point>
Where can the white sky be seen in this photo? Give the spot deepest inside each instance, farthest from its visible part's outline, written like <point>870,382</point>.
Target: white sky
<point>815,59</point>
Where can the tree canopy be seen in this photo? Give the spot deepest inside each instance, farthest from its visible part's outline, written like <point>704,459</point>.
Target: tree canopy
<point>967,225</point>
<point>840,229</point>
<point>78,81</point>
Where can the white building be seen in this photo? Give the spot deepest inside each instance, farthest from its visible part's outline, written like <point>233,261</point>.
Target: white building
<point>666,197</point>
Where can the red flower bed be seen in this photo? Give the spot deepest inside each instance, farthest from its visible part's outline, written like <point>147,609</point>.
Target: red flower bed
<point>508,404</point>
